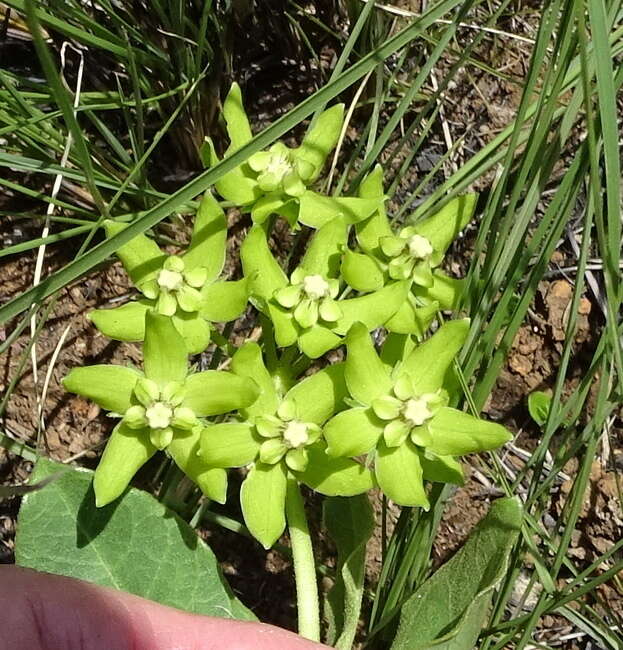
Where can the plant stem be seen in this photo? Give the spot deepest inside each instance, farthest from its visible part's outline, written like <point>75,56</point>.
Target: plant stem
<point>304,565</point>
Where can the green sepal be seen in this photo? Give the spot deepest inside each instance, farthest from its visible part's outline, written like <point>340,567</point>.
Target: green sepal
<point>108,386</point>
<point>366,375</point>
<point>321,139</point>
<point>316,210</point>
<point>324,249</point>
<point>213,392</point>
<point>335,477</point>
<point>361,271</point>
<point>209,239</point>
<point>194,330</point>
<point>455,433</point>
<point>353,432</point>
<point>229,444</point>
<point>141,257</point>
<point>445,290</point>
<point>125,323</point>
<point>164,352</point>
<point>263,497</point>
<point>317,340</point>
<point>248,362</point>
<point>127,450</point>
<point>236,120</point>
<point>411,319</point>
<point>442,469</point>
<point>320,395</point>
<point>259,266</point>
<point>224,301</point>
<point>399,474</point>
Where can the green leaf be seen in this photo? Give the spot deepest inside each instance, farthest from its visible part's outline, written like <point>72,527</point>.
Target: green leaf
<point>126,451</point>
<point>125,323</point>
<point>164,352</point>
<point>141,257</point>
<point>317,340</point>
<point>209,238</point>
<point>319,396</point>
<point>263,497</point>
<point>224,301</point>
<point>194,330</point>
<point>430,618</point>
<point>430,362</point>
<point>184,450</point>
<point>276,203</point>
<point>213,392</point>
<point>321,140</point>
<point>399,474</point>
<point>229,444</point>
<point>248,362</point>
<point>442,469</point>
<point>361,272</point>
<point>135,545</point>
<point>455,433</point>
<point>539,404</point>
<point>396,347</point>
<point>446,291</point>
<point>353,432</point>
<point>109,386</point>
<point>259,265</point>
<point>374,309</point>
<point>324,250</point>
<point>372,229</point>
<point>411,319</point>
<point>238,128</point>
<point>335,476</point>
<point>234,185</point>
<point>366,375</point>
<point>286,328</point>
<point>316,210</point>
<point>350,523</point>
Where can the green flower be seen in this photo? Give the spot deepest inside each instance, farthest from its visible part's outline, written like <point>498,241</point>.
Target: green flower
<point>304,309</point>
<point>184,287</point>
<point>159,408</point>
<point>280,436</point>
<point>404,421</point>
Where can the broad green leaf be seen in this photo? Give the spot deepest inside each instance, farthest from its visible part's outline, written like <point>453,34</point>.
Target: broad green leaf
<point>353,432</point>
<point>248,362</point>
<point>316,210</point>
<point>109,386</point>
<point>164,352</point>
<point>125,323</point>
<point>455,433</point>
<point>361,272</point>
<point>209,238</point>
<point>276,203</point>
<point>126,451</point>
<point>335,476</point>
<point>184,450</point>
<point>539,404</point>
<point>366,375</point>
<point>450,609</point>
<point>224,301</point>
<point>446,291</point>
<point>411,319</point>
<point>396,347</point>
<point>372,229</point>
<point>135,545</point>
<point>321,140</point>
<point>317,340</point>
<point>350,523</point>
<point>259,265</point>
<point>442,469</point>
<point>324,249</point>
<point>374,309</point>
<point>399,474</point>
<point>141,256</point>
<point>429,363</point>
<point>213,392</point>
<point>238,128</point>
<point>319,396</point>
<point>286,328</point>
<point>263,497</point>
<point>194,329</point>
<point>229,444</point>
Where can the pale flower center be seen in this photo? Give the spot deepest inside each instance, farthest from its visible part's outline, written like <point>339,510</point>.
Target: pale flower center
<point>295,434</point>
<point>279,165</point>
<point>420,247</point>
<point>416,411</point>
<point>315,286</point>
<point>171,280</point>
<point>159,415</point>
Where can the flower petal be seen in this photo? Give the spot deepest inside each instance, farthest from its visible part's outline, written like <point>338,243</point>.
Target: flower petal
<point>366,375</point>
<point>399,474</point>
<point>259,265</point>
<point>286,328</point>
<point>164,352</point>
<point>229,444</point>
<point>396,432</point>
<point>209,238</point>
<point>306,313</point>
<point>263,497</point>
<point>109,386</point>
<point>455,433</point>
<point>213,392</point>
<point>194,330</point>
<point>127,450</point>
<point>386,407</point>
<point>272,450</point>
<point>125,323</point>
<point>361,272</point>
<point>247,362</point>
<point>317,340</point>
<point>353,432</point>
<point>188,299</point>
<point>319,396</point>
<point>293,185</point>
